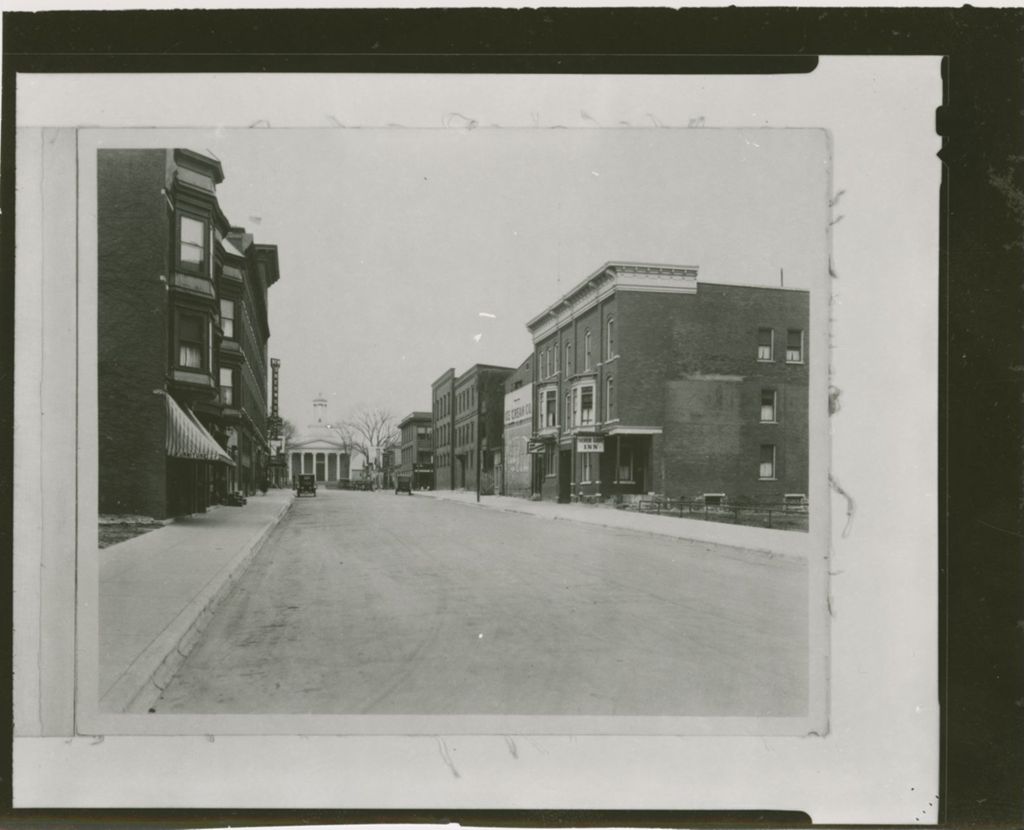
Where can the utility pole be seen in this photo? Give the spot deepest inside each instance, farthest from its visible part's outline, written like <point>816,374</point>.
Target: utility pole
<point>478,390</point>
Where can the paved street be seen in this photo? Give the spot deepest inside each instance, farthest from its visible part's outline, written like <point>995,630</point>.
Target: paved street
<point>371,603</point>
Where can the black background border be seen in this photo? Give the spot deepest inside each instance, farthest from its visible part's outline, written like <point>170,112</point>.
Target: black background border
<point>980,360</point>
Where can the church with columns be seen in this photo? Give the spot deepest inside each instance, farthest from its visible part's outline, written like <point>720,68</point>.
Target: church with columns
<point>320,449</point>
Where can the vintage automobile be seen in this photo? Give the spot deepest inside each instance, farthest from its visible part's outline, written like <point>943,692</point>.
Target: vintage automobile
<point>305,483</point>
<point>403,484</point>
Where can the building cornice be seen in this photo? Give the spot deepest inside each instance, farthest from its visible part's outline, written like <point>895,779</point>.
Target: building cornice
<point>611,277</point>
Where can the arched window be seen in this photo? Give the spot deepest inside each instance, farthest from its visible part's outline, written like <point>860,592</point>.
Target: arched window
<point>609,398</point>
<point>586,351</point>
<point>568,359</point>
<point>610,339</point>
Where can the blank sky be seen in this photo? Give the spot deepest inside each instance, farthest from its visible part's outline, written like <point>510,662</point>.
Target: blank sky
<point>392,242</point>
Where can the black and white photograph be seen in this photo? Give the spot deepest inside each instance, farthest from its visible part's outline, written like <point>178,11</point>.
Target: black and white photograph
<point>458,427</point>
<point>452,338</point>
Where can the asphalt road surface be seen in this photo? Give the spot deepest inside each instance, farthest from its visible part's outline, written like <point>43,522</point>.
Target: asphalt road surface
<point>371,603</point>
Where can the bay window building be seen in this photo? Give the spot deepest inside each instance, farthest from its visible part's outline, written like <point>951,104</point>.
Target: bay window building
<point>182,336</point>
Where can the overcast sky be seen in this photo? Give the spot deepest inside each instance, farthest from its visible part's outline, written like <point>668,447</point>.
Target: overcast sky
<point>394,243</point>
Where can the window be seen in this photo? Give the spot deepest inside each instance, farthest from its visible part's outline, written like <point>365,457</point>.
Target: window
<point>610,339</point>
<point>549,407</point>
<point>587,473</point>
<point>625,471</point>
<point>765,343</point>
<point>543,364</point>
<point>568,411</point>
<point>551,360</point>
<point>568,359</point>
<point>767,468</point>
<point>582,405</point>
<point>227,318</point>
<point>795,346</point>
<point>549,460</point>
<point>191,243</point>
<point>587,405</point>
<point>190,341</point>
<point>767,406</point>
<point>586,350</point>
<point>609,398</point>
<point>227,386</point>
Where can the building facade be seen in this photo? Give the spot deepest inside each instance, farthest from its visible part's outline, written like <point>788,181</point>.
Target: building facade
<point>648,382</point>
<point>517,432</point>
<point>182,337</point>
<point>320,449</point>
<point>417,450</point>
<point>468,426</point>
<point>442,394</point>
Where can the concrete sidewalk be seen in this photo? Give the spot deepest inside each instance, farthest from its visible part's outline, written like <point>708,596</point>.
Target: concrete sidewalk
<point>157,592</point>
<point>775,542</point>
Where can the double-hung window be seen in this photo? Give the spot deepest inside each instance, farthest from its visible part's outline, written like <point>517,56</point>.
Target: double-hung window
<point>768,401</point>
<point>586,405</point>
<point>766,469</point>
<point>192,239</point>
<point>609,398</point>
<point>795,346</point>
<point>765,344</point>
<point>227,318</point>
<point>587,471</point>
<point>586,351</point>
<point>227,386</point>
<point>609,351</point>
<point>549,407</point>
<point>568,359</point>
<point>191,340</point>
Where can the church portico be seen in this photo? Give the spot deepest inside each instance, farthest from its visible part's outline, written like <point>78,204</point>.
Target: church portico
<point>319,450</point>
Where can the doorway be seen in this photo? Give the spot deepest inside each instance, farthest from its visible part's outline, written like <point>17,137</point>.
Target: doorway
<point>564,476</point>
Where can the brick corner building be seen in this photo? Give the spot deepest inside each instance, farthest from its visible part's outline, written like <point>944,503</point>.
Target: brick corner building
<point>182,337</point>
<point>647,381</point>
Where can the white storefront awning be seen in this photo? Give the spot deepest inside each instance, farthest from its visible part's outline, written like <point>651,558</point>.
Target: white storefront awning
<point>188,438</point>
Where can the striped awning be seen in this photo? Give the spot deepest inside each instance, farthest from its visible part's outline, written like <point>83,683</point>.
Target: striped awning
<point>188,438</point>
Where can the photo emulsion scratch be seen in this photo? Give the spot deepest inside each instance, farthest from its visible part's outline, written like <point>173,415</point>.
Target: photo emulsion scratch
<point>327,479</point>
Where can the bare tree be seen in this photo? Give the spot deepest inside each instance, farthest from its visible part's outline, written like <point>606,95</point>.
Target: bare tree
<point>372,431</point>
<point>287,430</point>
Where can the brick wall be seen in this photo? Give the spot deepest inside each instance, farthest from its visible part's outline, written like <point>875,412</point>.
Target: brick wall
<point>689,363</point>
<point>134,227</point>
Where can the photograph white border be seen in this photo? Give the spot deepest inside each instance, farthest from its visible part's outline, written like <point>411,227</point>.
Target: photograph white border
<point>879,759</point>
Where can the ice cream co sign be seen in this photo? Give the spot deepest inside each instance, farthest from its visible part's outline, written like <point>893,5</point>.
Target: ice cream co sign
<point>519,405</point>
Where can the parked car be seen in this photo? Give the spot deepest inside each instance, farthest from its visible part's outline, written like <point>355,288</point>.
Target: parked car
<point>305,484</point>
<point>403,484</point>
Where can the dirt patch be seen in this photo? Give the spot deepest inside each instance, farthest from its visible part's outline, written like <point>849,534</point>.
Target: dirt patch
<point>113,530</point>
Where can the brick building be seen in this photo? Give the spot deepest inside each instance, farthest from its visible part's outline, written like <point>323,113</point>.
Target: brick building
<point>182,337</point>
<point>417,450</point>
<point>468,412</point>
<point>647,381</point>
<point>442,394</point>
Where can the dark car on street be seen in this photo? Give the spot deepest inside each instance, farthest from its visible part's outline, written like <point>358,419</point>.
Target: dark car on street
<point>305,484</point>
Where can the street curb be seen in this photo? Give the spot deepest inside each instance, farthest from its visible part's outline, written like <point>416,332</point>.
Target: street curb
<point>760,552</point>
<point>148,675</point>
